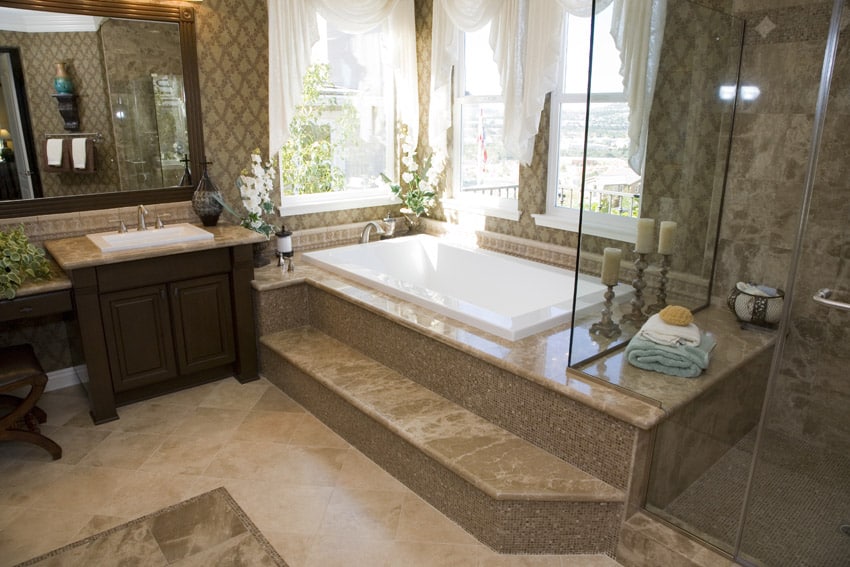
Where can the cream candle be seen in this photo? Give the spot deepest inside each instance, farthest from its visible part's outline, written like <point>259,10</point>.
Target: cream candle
<point>645,236</point>
<point>666,237</point>
<point>611,266</point>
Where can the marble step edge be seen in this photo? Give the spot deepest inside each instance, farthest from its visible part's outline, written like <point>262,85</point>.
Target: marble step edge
<point>647,542</point>
<point>550,479</point>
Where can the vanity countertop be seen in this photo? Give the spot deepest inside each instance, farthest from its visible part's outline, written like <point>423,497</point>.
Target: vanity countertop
<point>59,281</point>
<point>80,252</point>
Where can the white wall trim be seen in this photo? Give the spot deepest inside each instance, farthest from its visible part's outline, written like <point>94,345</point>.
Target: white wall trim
<point>66,377</point>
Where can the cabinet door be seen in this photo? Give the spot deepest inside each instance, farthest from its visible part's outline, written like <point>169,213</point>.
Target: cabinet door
<point>203,323</point>
<point>138,337</point>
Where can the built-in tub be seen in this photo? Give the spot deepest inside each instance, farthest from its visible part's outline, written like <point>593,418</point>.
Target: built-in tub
<point>503,295</point>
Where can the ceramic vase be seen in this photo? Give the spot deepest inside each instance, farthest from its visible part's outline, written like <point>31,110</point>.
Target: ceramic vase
<point>62,81</point>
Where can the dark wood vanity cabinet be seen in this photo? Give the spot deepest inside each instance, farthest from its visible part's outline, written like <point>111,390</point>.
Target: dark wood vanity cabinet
<point>159,324</point>
<point>156,333</point>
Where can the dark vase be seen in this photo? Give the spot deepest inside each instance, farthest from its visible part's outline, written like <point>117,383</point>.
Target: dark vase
<point>206,200</point>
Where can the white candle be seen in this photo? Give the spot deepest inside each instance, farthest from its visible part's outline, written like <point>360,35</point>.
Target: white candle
<point>645,236</point>
<point>611,266</point>
<point>666,237</point>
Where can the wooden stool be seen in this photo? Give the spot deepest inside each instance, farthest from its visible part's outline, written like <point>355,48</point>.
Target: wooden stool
<point>18,368</point>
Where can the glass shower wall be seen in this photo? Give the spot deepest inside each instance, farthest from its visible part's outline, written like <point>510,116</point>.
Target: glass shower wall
<point>798,506</point>
<point>766,478</point>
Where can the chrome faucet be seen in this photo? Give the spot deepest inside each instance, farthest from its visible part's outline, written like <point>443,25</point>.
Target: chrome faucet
<point>364,236</point>
<point>142,211</point>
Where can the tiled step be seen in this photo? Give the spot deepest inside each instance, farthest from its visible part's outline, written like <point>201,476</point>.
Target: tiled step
<point>512,495</point>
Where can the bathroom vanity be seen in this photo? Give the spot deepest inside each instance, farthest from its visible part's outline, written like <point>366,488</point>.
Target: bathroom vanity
<point>160,318</point>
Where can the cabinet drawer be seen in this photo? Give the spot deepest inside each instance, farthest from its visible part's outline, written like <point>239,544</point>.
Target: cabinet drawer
<point>153,271</point>
<point>35,305</point>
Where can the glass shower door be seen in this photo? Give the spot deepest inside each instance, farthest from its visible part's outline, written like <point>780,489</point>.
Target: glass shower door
<point>798,506</point>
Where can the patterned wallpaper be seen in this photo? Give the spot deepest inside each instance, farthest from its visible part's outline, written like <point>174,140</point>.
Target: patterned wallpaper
<point>82,54</point>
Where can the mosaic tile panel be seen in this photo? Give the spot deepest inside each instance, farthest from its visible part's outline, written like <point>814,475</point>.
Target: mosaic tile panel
<point>590,440</point>
<point>518,527</point>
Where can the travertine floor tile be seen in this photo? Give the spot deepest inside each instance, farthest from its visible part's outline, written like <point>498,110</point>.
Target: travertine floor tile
<point>319,501</point>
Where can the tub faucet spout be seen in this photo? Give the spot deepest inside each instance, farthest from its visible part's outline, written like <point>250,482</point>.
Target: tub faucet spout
<point>364,236</point>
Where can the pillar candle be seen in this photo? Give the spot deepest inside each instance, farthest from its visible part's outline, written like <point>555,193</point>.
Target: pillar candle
<point>666,237</point>
<point>611,266</point>
<point>645,236</point>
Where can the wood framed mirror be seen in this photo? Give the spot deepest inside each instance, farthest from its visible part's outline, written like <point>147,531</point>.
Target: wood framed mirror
<point>117,194</point>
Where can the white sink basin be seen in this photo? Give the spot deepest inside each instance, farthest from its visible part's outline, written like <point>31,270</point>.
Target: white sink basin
<point>173,234</point>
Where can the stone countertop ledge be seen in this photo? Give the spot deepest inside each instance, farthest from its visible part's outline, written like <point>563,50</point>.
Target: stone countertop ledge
<point>608,384</point>
<point>58,281</point>
<point>80,252</point>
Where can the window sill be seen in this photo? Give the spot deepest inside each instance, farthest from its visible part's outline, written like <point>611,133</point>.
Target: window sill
<point>594,224</point>
<point>324,203</point>
<point>498,208</point>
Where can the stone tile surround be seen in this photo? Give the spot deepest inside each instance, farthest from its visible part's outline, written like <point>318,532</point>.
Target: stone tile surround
<point>446,460</point>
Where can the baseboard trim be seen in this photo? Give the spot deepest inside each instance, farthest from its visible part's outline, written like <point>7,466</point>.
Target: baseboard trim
<point>66,377</point>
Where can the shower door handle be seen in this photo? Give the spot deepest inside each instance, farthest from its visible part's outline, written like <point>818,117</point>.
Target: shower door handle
<point>823,297</point>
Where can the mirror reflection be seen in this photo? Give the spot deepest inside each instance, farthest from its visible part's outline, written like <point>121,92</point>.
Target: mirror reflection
<point>128,93</point>
<point>673,206</point>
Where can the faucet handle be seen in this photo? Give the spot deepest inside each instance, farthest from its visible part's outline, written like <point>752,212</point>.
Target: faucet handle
<point>122,228</point>
<point>159,217</point>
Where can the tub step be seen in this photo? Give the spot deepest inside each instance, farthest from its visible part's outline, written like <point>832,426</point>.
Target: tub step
<point>510,494</point>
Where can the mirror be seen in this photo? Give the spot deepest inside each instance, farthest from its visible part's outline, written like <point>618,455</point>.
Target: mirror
<point>684,177</point>
<point>138,99</point>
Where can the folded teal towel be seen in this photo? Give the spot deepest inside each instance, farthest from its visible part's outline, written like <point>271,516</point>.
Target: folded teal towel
<point>679,360</point>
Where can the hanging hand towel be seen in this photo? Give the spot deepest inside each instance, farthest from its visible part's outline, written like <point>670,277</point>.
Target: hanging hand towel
<point>54,151</point>
<point>78,152</point>
<point>658,331</point>
<point>682,360</point>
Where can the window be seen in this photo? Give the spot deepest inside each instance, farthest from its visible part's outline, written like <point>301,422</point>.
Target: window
<point>485,178</point>
<point>342,135</point>
<point>612,189</point>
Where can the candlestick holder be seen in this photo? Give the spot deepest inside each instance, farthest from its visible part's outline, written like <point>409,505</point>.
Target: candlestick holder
<point>607,327</point>
<point>661,300</point>
<point>637,316</point>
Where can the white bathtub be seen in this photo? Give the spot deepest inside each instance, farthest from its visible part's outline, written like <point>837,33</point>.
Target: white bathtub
<point>507,296</point>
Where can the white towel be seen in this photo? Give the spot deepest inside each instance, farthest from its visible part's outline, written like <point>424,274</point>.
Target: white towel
<point>662,333</point>
<point>54,151</point>
<point>78,152</point>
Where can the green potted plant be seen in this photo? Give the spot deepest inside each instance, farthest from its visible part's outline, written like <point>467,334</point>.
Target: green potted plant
<point>19,261</point>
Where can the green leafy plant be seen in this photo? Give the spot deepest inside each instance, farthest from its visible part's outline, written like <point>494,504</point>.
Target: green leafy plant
<point>19,261</point>
<point>307,160</point>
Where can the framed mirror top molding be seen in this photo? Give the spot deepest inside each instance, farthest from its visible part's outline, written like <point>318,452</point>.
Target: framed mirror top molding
<point>184,17</point>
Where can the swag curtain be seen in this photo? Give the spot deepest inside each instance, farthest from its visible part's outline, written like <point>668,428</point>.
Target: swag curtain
<point>526,41</point>
<point>293,31</point>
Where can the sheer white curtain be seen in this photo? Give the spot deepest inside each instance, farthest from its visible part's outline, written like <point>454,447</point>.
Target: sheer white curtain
<point>526,41</point>
<point>293,31</point>
<point>638,31</point>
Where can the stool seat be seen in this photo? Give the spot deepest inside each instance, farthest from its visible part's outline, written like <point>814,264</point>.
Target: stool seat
<point>19,367</point>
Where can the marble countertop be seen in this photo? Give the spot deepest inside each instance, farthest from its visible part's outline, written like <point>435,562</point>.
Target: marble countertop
<point>609,384</point>
<point>59,281</point>
<point>80,252</point>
